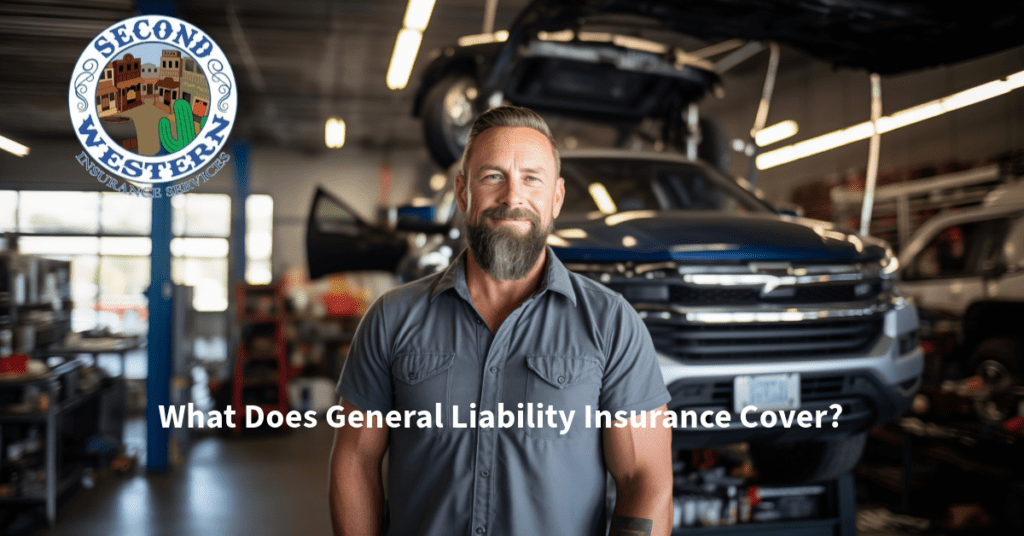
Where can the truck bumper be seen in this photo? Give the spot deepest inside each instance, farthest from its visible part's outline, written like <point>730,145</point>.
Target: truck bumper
<point>872,387</point>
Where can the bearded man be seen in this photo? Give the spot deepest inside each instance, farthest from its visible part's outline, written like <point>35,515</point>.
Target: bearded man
<point>505,328</point>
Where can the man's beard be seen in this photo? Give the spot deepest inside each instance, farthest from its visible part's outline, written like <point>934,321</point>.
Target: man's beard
<point>503,253</point>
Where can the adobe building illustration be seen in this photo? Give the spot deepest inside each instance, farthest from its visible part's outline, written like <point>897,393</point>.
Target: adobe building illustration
<point>142,96</point>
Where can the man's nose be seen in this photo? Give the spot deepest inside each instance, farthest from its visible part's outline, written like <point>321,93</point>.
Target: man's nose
<point>513,193</point>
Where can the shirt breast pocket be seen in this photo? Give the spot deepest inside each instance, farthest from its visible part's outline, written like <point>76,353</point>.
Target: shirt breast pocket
<point>421,381</point>
<point>564,384</point>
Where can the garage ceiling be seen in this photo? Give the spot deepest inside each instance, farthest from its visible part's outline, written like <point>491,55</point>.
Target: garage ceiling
<point>312,60</point>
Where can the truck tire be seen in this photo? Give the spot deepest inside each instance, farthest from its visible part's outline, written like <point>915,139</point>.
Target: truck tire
<point>806,462</point>
<point>998,361</point>
<point>448,114</point>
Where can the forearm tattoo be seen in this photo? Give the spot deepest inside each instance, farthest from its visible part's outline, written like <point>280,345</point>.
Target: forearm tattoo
<point>631,526</point>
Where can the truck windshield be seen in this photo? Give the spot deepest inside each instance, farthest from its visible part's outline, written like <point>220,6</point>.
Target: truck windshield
<point>614,185</point>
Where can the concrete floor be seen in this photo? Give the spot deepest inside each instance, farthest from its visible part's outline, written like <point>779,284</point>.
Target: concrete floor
<point>273,485</point>
<point>251,486</point>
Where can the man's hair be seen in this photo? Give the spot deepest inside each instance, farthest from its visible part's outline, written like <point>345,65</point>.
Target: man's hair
<point>509,116</point>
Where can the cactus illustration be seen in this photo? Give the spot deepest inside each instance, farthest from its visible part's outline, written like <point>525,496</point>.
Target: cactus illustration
<point>186,129</point>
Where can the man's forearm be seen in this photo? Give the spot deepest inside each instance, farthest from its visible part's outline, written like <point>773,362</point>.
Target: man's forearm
<point>643,507</point>
<point>357,498</point>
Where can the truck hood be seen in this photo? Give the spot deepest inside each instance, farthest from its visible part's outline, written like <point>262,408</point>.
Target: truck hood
<point>644,236</point>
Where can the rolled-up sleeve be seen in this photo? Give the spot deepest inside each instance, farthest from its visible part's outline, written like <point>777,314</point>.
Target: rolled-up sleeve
<point>366,378</point>
<point>632,377</point>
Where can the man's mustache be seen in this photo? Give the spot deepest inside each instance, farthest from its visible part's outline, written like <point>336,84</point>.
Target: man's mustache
<point>507,213</point>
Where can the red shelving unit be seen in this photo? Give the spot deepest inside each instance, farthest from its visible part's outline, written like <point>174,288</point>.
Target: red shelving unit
<point>261,361</point>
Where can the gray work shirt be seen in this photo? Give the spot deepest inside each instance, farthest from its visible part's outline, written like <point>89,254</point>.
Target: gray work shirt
<point>574,343</point>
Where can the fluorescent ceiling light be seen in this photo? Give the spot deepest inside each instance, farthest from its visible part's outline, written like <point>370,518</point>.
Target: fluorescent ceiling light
<point>776,133</point>
<point>438,181</point>
<point>890,122</point>
<point>557,241</point>
<point>597,37</point>
<point>817,145</point>
<point>13,147</point>
<point>562,35</point>
<point>420,202</point>
<point>601,198</point>
<point>479,39</point>
<point>616,219</point>
<point>572,233</point>
<point>334,133</point>
<point>406,46</point>
<point>417,14</point>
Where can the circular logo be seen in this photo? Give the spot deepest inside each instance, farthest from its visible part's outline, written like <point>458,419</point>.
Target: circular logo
<point>153,100</point>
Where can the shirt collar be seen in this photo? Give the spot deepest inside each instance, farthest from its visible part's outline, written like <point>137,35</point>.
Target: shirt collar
<point>556,278</point>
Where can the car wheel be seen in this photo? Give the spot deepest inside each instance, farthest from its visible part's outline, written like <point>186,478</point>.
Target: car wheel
<point>805,462</point>
<point>448,114</point>
<point>997,361</point>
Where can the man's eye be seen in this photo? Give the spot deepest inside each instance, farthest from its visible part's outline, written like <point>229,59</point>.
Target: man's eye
<point>533,179</point>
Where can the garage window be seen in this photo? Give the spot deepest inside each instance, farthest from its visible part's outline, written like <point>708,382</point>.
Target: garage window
<point>259,238</point>
<point>201,224</point>
<point>105,235</point>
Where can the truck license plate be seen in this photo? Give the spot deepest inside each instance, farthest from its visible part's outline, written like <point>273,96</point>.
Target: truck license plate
<point>767,392</point>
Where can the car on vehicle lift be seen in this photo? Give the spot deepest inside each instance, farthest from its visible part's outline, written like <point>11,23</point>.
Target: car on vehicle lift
<point>554,60</point>
<point>965,268</point>
<point>745,305</point>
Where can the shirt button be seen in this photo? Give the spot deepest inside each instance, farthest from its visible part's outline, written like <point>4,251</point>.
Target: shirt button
<point>478,321</point>
<point>561,379</point>
<point>494,370</point>
<point>485,474</point>
<point>480,530</point>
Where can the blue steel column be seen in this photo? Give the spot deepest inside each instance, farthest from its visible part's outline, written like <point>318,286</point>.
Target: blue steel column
<point>240,155</point>
<point>158,378</point>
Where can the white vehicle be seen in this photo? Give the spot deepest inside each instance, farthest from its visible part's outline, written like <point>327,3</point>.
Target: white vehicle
<point>965,270</point>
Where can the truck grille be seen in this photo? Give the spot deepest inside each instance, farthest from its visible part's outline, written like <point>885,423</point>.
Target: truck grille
<point>718,393</point>
<point>679,293</point>
<point>676,337</point>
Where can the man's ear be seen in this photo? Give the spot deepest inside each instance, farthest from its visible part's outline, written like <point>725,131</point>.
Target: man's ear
<point>461,192</point>
<point>559,197</point>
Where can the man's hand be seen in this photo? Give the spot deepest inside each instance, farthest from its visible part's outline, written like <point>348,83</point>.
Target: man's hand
<point>356,491</point>
<point>640,461</point>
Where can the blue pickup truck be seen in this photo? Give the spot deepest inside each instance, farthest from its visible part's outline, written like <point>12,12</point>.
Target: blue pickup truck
<point>746,306</point>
